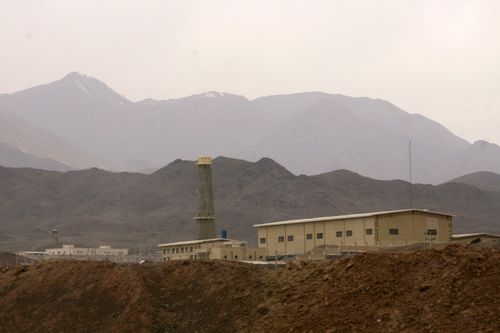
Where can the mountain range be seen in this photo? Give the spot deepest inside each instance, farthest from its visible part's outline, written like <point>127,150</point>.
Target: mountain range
<point>309,133</point>
<point>95,207</point>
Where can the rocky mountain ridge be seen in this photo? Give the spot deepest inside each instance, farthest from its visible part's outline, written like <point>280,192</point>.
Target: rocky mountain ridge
<point>309,133</point>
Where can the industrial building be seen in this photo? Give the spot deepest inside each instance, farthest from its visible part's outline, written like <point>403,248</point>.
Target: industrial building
<point>369,230</point>
<point>215,248</point>
<point>207,246</point>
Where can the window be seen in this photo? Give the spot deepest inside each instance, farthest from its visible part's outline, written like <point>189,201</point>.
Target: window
<point>191,249</point>
<point>393,231</point>
<point>319,235</point>
<point>235,257</point>
<point>263,240</point>
<point>348,233</point>
<point>250,257</point>
<point>309,236</point>
<point>225,257</point>
<point>164,251</point>
<point>432,232</point>
<point>290,238</point>
<point>369,231</point>
<point>338,233</point>
<point>182,250</point>
<point>281,239</point>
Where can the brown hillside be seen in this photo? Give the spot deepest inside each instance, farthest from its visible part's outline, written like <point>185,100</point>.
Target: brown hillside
<point>95,207</point>
<point>448,290</point>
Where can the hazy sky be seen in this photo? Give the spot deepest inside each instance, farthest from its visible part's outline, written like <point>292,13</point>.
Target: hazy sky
<point>437,58</point>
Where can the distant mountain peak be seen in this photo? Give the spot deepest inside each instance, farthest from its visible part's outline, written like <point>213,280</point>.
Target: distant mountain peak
<point>91,87</point>
<point>269,164</point>
<point>75,75</point>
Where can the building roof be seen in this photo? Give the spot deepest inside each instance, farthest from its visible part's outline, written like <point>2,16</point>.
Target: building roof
<point>199,241</point>
<point>478,234</point>
<point>350,216</point>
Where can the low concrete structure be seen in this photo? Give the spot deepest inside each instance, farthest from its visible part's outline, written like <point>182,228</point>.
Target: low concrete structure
<point>215,248</point>
<point>363,231</point>
<point>71,250</point>
<point>467,238</point>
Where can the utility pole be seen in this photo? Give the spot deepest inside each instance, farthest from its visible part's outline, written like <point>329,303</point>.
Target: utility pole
<point>410,189</point>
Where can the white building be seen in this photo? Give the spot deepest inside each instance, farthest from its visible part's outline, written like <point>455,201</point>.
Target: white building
<point>71,250</point>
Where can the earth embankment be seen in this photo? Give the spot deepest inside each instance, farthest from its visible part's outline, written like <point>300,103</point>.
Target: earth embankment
<point>454,289</point>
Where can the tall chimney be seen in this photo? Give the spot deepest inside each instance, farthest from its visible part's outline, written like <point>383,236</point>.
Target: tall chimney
<point>205,217</point>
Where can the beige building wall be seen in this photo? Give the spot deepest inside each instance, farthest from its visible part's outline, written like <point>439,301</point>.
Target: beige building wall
<point>385,230</point>
<point>211,249</point>
<point>412,229</point>
<point>307,236</point>
<point>235,253</point>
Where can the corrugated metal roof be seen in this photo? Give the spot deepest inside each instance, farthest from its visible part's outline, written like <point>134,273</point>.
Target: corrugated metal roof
<point>478,234</point>
<point>350,216</point>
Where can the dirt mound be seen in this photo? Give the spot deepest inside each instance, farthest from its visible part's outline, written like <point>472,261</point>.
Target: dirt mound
<point>441,290</point>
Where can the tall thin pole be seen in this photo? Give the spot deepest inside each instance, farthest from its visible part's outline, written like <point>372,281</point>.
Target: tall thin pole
<point>411,175</point>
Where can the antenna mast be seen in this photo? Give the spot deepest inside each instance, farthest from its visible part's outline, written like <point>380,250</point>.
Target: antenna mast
<point>411,175</point>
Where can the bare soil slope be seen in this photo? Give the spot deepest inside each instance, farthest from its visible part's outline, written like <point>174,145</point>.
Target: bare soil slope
<point>447,290</point>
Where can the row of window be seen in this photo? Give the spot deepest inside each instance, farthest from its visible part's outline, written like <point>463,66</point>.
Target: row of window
<point>348,233</point>
<point>179,250</point>
<point>319,235</point>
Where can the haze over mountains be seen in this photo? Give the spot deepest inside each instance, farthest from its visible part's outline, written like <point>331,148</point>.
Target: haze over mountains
<point>309,133</point>
<point>93,206</point>
<point>11,157</point>
<point>19,135</point>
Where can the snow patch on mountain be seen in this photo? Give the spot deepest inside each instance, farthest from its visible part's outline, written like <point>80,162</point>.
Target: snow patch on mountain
<point>212,94</point>
<point>79,85</point>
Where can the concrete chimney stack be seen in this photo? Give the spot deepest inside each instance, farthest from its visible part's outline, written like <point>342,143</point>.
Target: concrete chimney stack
<point>205,217</point>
